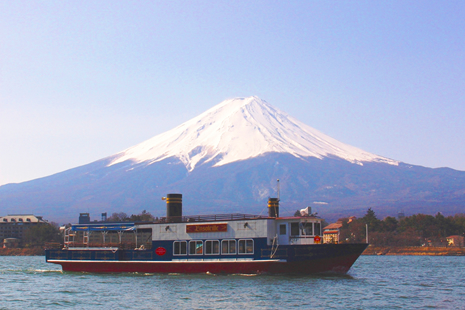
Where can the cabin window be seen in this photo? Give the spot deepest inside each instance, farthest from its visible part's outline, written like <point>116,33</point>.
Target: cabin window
<point>306,229</point>
<point>228,246</point>
<point>294,229</point>
<point>282,229</point>
<point>195,247</point>
<point>246,246</point>
<point>318,229</point>
<point>180,248</point>
<point>212,247</point>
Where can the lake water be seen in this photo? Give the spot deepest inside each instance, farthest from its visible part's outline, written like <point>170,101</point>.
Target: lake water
<point>374,282</point>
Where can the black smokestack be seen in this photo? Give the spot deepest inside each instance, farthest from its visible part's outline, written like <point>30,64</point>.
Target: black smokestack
<point>273,207</point>
<point>174,207</point>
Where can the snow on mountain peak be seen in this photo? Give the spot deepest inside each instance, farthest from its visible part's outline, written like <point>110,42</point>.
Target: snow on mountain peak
<point>238,129</point>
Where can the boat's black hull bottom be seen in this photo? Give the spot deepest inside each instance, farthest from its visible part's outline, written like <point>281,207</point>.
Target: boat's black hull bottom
<point>318,259</point>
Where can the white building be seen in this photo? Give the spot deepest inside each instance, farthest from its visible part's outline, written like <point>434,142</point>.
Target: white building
<point>14,225</point>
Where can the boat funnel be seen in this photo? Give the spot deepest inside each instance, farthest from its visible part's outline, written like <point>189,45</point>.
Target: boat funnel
<point>173,208</point>
<point>273,207</point>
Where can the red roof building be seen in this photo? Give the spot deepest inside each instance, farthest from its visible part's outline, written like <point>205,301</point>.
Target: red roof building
<point>331,233</point>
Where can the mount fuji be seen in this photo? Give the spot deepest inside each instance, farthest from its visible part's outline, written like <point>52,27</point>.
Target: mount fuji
<point>228,160</point>
<point>240,129</point>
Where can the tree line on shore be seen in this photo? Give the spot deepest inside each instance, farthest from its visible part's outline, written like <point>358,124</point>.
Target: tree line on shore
<point>144,216</point>
<point>414,230</point>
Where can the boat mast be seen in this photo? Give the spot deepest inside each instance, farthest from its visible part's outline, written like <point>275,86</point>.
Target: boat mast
<point>366,233</point>
<point>278,188</point>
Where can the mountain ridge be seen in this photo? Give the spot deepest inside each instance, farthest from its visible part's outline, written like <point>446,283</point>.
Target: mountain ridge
<point>212,166</point>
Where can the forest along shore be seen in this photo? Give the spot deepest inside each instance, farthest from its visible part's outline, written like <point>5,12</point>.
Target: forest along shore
<point>415,250</point>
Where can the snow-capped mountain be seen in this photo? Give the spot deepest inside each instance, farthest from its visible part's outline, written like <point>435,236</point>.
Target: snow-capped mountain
<point>227,160</point>
<point>239,129</point>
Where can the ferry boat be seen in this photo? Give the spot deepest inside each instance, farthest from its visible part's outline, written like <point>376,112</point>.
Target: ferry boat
<point>217,244</point>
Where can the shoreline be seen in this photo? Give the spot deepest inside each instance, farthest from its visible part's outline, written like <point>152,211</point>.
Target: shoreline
<point>415,250</point>
<point>37,251</point>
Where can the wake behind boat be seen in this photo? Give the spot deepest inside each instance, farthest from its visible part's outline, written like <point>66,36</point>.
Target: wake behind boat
<point>222,243</point>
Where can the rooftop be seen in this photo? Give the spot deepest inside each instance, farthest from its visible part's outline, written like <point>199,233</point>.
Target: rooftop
<point>21,218</point>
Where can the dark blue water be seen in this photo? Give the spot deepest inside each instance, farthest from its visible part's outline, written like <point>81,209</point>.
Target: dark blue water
<point>374,282</point>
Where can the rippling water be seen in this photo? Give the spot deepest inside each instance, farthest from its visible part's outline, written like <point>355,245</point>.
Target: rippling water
<point>374,282</point>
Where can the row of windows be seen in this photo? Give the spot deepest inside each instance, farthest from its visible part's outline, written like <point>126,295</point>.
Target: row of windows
<point>304,229</point>
<point>12,228</point>
<point>6,235</point>
<point>212,247</point>
<point>19,220</point>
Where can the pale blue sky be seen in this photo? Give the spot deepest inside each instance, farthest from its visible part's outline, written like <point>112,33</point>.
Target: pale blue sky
<point>82,80</point>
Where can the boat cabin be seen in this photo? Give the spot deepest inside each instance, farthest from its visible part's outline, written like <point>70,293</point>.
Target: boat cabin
<point>199,236</point>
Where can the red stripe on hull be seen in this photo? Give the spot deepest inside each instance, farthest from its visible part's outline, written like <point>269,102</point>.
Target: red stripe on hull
<point>340,265</point>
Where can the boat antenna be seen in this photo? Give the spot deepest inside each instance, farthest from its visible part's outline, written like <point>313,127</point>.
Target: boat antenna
<point>277,181</point>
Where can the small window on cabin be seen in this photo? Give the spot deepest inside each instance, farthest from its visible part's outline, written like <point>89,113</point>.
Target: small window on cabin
<point>318,229</point>
<point>282,229</point>
<point>212,247</point>
<point>13,220</point>
<point>306,229</point>
<point>20,220</point>
<point>294,229</point>
<point>246,246</point>
<point>5,220</point>
<point>195,247</point>
<point>228,247</point>
<point>28,220</point>
<point>180,248</point>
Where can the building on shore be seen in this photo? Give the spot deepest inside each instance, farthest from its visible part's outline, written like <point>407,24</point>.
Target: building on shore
<point>14,226</point>
<point>331,232</point>
<point>456,240</point>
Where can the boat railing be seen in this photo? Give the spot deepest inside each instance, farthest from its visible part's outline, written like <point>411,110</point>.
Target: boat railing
<point>303,239</point>
<point>210,218</point>
<point>123,245</point>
